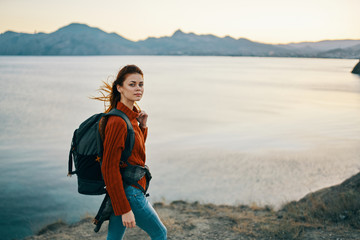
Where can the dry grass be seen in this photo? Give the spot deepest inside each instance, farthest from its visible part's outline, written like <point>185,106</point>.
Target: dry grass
<point>255,207</point>
<point>52,227</point>
<point>338,206</point>
<point>343,207</point>
<point>283,230</point>
<point>331,213</point>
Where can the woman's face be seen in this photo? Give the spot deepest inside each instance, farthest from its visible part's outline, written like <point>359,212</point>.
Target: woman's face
<point>132,88</point>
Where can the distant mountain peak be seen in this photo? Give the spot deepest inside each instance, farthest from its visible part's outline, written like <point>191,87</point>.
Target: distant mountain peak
<point>75,25</point>
<point>178,33</point>
<point>78,28</point>
<point>78,24</point>
<point>9,32</point>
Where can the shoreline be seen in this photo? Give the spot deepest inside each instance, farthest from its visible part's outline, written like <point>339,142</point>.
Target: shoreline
<point>330,213</point>
<point>240,56</point>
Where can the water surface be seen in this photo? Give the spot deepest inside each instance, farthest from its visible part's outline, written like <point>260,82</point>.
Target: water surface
<point>229,130</point>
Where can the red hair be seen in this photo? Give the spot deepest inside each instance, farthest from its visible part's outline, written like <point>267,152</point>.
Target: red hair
<point>110,94</point>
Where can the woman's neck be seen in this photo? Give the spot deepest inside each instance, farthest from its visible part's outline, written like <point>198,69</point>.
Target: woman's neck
<point>129,104</point>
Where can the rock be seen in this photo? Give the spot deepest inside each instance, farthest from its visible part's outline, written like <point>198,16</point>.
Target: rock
<point>356,69</point>
<point>336,204</point>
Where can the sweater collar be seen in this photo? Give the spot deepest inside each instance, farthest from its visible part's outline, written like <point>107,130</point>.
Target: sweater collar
<point>132,114</point>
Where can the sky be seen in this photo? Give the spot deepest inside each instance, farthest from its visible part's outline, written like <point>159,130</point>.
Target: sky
<point>268,21</point>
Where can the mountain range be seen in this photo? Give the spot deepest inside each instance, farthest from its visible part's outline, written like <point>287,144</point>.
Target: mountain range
<point>81,39</point>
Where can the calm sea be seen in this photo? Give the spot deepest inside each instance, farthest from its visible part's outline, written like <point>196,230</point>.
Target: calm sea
<point>232,130</point>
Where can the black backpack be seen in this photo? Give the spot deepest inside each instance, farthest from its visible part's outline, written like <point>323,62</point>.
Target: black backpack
<point>87,149</point>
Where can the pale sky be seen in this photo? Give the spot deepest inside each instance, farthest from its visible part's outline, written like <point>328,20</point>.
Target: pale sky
<point>269,21</point>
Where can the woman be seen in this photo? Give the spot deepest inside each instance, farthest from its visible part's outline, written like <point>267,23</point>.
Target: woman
<point>129,203</point>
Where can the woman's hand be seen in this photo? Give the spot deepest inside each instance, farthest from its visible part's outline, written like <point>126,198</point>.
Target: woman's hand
<point>142,119</point>
<point>128,219</point>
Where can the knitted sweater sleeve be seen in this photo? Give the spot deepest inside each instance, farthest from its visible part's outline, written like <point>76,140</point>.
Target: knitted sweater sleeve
<point>114,144</point>
<point>144,131</point>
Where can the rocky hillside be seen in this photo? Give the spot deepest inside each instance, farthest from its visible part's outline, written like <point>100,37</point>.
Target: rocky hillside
<point>331,213</point>
<point>356,69</point>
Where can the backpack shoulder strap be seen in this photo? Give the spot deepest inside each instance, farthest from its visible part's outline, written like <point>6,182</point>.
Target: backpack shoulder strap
<point>130,138</point>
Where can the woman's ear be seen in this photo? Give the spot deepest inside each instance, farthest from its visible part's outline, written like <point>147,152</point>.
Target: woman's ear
<point>118,87</point>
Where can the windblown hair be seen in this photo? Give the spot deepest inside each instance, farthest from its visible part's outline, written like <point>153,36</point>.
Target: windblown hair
<point>110,94</point>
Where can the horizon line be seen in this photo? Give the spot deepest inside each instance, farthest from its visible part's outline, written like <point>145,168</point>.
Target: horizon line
<point>202,34</point>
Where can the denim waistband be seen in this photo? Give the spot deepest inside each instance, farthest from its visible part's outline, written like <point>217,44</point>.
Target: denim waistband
<point>131,189</point>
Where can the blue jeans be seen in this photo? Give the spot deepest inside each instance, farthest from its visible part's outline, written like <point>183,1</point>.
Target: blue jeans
<point>145,217</point>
